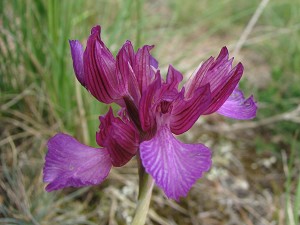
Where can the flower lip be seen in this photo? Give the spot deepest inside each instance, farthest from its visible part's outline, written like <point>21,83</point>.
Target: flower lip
<point>175,166</point>
<point>69,163</point>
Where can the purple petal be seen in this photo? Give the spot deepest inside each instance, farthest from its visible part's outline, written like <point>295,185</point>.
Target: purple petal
<point>219,71</point>
<point>119,138</point>
<point>169,89</point>
<point>221,77</point>
<point>175,166</point>
<point>222,58</point>
<point>148,103</point>
<point>125,65</point>
<point>174,77</point>
<point>223,92</point>
<point>196,80</point>
<point>237,107</point>
<point>72,164</point>
<point>100,69</point>
<point>77,57</point>
<point>187,111</point>
<point>153,62</point>
<point>143,67</point>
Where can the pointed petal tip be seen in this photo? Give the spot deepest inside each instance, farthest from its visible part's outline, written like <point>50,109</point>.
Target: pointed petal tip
<point>240,67</point>
<point>96,29</point>
<point>174,77</point>
<point>224,53</point>
<point>224,49</point>
<point>75,44</point>
<point>128,42</point>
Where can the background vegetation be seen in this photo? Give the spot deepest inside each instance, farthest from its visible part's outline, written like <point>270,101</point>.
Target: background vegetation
<point>255,174</point>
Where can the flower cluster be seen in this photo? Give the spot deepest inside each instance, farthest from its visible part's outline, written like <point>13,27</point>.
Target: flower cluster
<point>152,111</point>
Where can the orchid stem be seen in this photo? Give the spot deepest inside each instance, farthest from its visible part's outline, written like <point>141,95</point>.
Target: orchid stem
<point>145,191</point>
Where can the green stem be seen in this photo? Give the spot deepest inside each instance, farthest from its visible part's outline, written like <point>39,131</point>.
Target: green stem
<point>145,191</point>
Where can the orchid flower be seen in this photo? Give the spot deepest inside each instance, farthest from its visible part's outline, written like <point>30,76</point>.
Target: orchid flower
<point>152,110</point>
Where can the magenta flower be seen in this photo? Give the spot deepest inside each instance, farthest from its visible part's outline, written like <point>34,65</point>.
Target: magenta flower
<point>152,111</point>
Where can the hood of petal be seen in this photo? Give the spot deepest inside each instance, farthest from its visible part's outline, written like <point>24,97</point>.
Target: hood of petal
<point>100,69</point>
<point>221,77</point>
<point>109,79</point>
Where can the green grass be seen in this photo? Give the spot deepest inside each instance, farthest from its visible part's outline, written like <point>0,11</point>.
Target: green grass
<point>40,95</point>
<point>292,194</point>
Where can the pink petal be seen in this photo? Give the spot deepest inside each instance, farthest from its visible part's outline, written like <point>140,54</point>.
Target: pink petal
<point>174,77</point>
<point>147,105</point>
<point>119,138</point>
<point>125,65</point>
<point>187,111</point>
<point>237,107</point>
<point>153,63</point>
<point>144,64</point>
<point>125,57</point>
<point>175,166</point>
<point>100,69</point>
<point>77,57</point>
<point>196,80</point>
<point>169,89</point>
<point>72,164</point>
<point>221,77</point>
<point>218,73</point>
<point>223,92</point>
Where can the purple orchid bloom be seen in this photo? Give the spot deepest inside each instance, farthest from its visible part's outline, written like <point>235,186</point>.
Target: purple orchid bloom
<point>152,110</point>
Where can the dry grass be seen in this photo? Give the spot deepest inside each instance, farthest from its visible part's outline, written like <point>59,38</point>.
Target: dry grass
<point>242,187</point>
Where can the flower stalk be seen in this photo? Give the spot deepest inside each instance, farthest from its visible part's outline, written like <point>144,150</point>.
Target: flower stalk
<point>146,183</point>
